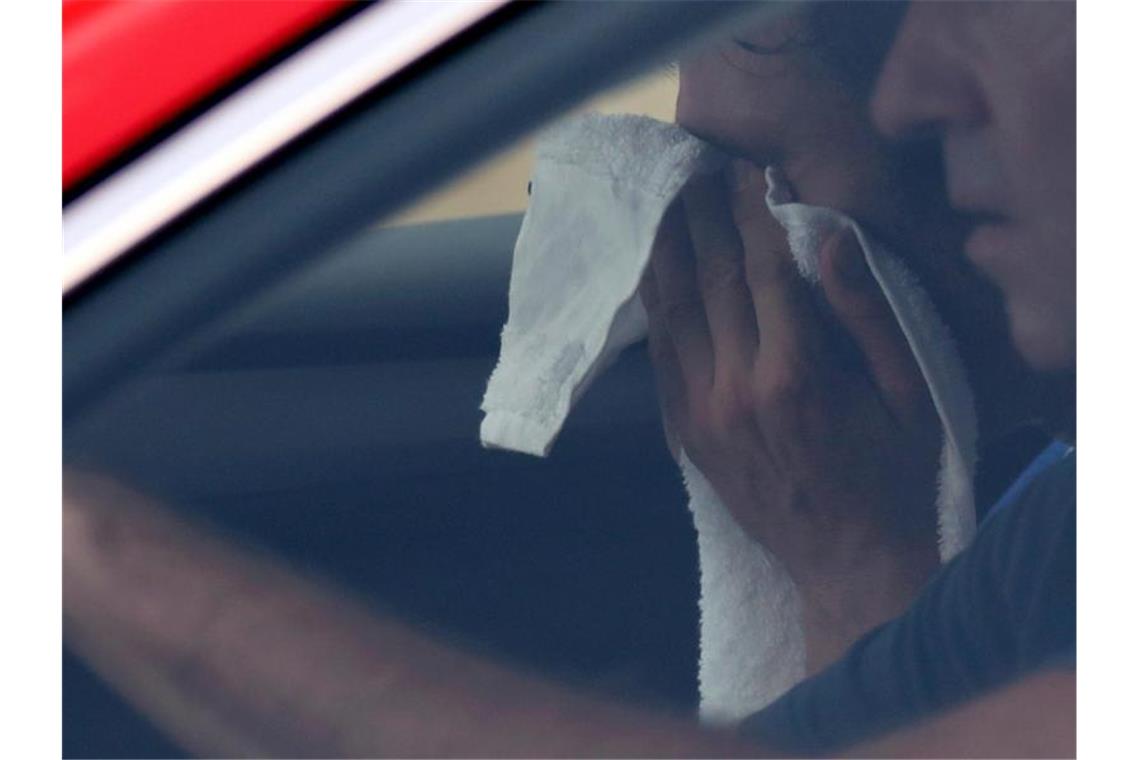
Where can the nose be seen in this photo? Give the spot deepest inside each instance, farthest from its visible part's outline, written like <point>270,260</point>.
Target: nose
<point>927,82</point>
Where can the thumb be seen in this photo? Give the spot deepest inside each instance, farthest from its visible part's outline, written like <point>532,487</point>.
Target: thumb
<point>863,310</point>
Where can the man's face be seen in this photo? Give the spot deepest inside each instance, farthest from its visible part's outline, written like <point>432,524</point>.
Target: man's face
<point>768,98</point>
<point>997,83</point>
<point>765,96</point>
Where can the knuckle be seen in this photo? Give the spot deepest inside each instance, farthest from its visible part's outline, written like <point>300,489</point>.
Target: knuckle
<point>719,272</point>
<point>681,312</point>
<point>783,383</point>
<point>719,417</point>
<point>731,405</point>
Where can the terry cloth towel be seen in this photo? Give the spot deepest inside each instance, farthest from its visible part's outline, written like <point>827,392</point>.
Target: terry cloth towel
<point>600,188</point>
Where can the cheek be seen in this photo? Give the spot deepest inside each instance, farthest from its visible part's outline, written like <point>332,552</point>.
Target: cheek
<point>1041,287</point>
<point>1040,300</point>
<point>1042,175</point>
<point>1045,337</point>
<point>1035,111</point>
<point>845,171</point>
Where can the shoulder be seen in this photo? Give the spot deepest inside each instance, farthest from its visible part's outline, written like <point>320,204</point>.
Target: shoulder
<point>1037,542</point>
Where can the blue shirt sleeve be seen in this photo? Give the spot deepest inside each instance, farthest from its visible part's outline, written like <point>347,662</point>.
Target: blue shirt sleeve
<point>1004,607</point>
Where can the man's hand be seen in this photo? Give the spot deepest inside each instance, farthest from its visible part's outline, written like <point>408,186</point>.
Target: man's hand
<point>811,419</point>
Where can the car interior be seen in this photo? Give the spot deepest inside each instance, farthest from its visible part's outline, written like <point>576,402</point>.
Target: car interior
<point>333,420</point>
<point>299,364</point>
<point>336,424</point>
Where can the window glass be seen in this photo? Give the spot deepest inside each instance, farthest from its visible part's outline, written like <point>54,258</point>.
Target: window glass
<point>498,186</point>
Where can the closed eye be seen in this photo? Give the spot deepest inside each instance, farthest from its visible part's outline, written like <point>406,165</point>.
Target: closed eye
<point>797,40</point>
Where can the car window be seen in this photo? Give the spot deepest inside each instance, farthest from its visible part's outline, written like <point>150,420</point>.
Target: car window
<point>498,185</point>
<point>333,417</point>
<point>334,421</point>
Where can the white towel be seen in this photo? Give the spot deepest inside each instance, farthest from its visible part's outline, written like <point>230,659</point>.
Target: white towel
<point>600,188</point>
<point>596,202</point>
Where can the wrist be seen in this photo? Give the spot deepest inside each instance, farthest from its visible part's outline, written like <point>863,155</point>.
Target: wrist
<point>837,610</point>
<point>133,572</point>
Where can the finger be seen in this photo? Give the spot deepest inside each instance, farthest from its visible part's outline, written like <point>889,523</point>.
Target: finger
<point>786,317</point>
<point>679,305</point>
<point>666,367</point>
<point>863,310</point>
<point>720,273</point>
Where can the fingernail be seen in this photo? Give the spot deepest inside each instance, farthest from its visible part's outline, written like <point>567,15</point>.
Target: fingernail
<point>851,265</point>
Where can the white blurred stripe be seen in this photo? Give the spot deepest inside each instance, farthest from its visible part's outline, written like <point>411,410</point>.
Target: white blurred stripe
<point>252,123</point>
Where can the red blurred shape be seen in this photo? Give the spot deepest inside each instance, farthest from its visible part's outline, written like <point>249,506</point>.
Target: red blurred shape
<point>129,66</point>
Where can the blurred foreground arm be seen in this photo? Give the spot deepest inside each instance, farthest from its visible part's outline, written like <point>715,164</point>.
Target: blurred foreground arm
<point>1035,717</point>
<point>233,655</point>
